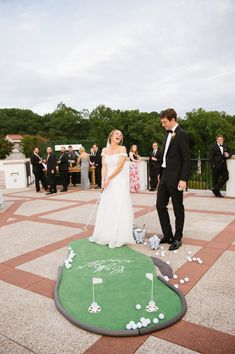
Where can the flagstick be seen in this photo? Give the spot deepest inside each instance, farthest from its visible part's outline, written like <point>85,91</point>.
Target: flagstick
<point>152,292</point>
<point>93,292</point>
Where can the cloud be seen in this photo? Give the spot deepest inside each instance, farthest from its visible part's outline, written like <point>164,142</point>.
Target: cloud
<point>126,54</point>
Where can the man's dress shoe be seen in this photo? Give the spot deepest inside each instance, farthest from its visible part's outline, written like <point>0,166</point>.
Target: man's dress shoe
<point>166,240</point>
<point>175,245</point>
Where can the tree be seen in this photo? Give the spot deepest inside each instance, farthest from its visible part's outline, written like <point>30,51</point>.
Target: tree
<point>5,147</point>
<point>29,142</point>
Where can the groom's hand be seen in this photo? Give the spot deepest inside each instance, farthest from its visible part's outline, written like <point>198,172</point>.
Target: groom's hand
<point>182,185</point>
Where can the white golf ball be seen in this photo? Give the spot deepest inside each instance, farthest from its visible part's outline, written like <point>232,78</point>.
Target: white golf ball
<point>181,281</point>
<point>176,286</point>
<point>138,307</point>
<point>200,262</point>
<point>132,323</point>
<point>156,254</point>
<point>194,259</point>
<point>70,248</point>
<point>155,320</point>
<point>142,319</point>
<point>161,316</point>
<point>189,259</point>
<point>128,326</point>
<point>189,252</point>
<point>134,326</point>
<point>162,248</point>
<point>145,243</point>
<point>166,278</point>
<point>175,251</point>
<point>144,324</point>
<point>186,279</point>
<point>168,262</point>
<point>198,259</point>
<point>139,325</point>
<point>175,276</point>
<point>148,321</point>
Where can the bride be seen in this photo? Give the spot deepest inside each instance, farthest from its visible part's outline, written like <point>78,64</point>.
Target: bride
<point>114,220</point>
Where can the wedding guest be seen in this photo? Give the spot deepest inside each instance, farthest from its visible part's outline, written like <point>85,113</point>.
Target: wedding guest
<point>218,156</point>
<point>134,173</point>
<point>63,168</point>
<point>92,157</point>
<point>51,162</point>
<point>38,172</point>
<point>84,160</point>
<point>98,165</point>
<point>72,160</point>
<point>174,176</point>
<point>154,166</point>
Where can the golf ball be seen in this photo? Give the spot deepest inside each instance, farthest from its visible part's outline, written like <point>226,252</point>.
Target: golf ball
<point>189,259</point>
<point>128,326</point>
<point>194,259</point>
<point>139,325</point>
<point>186,279</point>
<point>148,321</point>
<point>161,316</point>
<point>176,286</point>
<point>181,281</point>
<point>138,307</point>
<point>162,248</point>
<point>155,320</point>
<point>144,324</point>
<point>175,276</point>
<point>168,262</point>
<point>189,252</point>
<point>132,323</point>
<point>166,278</point>
<point>142,319</point>
<point>134,326</point>
<point>175,251</point>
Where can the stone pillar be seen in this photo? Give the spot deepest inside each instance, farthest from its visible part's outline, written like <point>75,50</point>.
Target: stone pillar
<point>16,173</point>
<point>230,185</point>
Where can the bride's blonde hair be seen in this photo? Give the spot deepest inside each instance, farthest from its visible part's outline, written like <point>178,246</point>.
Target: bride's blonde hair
<point>111,134</point>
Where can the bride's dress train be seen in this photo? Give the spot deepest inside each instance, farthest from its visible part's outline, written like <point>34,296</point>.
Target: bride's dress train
<point>114,220</point>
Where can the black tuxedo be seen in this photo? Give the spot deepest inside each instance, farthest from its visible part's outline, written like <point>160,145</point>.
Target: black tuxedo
<point>219,166</point>
<point>51,166</point>
<point>38,172</point>
<point>98,165</point>
<point>63,169</point>
<point>72,156</point>
<point>177,168</point>
<point>154,167</point>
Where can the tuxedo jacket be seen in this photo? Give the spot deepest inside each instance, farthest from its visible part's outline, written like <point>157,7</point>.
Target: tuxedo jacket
<point>64,159</point>
<point>177,157</point>
<point>51,163</point>
<point>158,156</point>
<point>217,160</point>
<point>97,158</point>
<point>37,167</point>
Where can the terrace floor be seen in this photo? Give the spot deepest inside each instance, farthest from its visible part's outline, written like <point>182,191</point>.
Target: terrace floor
<point>34,234</point>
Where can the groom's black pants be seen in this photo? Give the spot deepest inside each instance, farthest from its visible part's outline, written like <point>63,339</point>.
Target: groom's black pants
<point>165,192</point>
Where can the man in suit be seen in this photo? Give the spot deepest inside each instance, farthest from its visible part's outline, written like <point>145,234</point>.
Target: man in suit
<point>97,159</point>
<point>38,172</point>
<point>51,170</point>
<point>154,166</point>
<point>72,159</point>
<point>174,175</point>
<point>63,168</point>
<point>217,157</point>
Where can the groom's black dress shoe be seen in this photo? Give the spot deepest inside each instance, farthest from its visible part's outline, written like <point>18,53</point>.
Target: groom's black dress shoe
<point>175,245</point>
<point>166,240</point>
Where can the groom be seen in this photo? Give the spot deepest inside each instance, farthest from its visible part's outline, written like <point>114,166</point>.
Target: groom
<point>174,175</point>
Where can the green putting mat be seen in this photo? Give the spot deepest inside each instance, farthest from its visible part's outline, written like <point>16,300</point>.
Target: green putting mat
<point>121,284</point>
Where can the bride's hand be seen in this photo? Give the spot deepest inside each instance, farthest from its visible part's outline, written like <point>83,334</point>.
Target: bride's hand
<point>106,183</point>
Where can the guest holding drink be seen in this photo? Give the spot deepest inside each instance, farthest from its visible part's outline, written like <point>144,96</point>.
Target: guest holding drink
<point>134,173</point>
<point>38,172</point>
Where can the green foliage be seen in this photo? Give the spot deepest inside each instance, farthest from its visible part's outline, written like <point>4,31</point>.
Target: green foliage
<point>67,125</point>
<point>29,142</point>
<point>5,148</point>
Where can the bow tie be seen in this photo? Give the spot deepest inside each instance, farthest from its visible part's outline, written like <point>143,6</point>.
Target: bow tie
<point>170,131</point>
<point>221,145</point>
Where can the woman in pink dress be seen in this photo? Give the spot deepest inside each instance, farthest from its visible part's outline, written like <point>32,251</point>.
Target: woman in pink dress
<point>134,174</point>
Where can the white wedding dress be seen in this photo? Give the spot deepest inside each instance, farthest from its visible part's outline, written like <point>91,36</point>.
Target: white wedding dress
<point>114,220</point>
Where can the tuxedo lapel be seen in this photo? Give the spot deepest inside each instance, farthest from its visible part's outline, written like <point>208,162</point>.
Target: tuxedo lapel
<point>173,137</point>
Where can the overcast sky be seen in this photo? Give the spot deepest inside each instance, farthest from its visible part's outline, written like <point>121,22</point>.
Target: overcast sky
<point>127,54</point>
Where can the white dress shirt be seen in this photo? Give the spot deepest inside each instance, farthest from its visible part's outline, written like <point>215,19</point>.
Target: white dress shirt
<point>221,149</point>
<point>168,140</point>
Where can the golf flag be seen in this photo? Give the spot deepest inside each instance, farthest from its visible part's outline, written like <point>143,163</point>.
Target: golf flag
<point>97,280</point>
<point>149,276</point>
